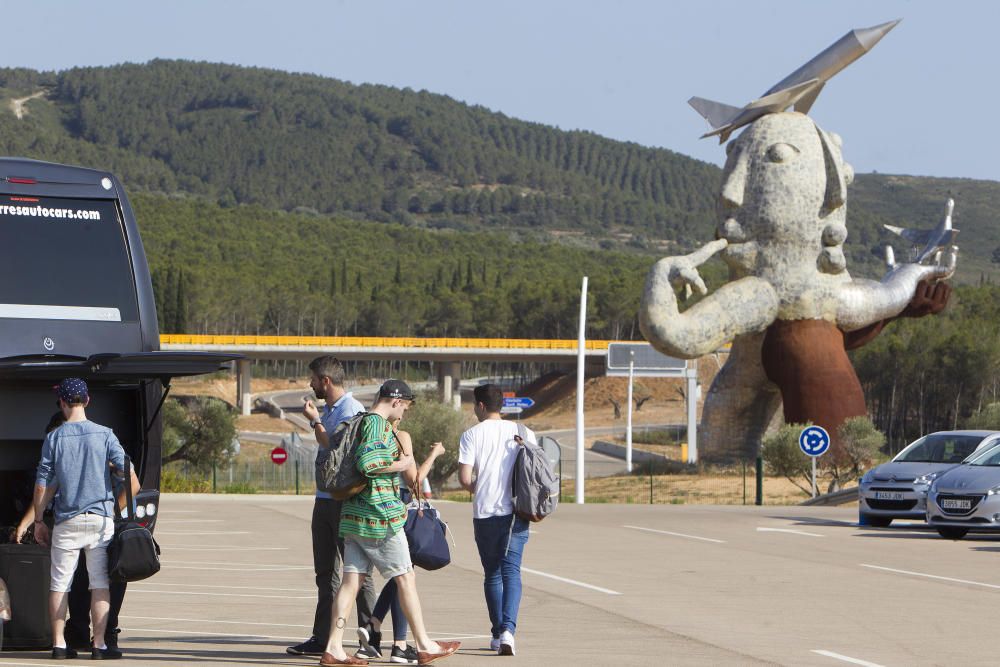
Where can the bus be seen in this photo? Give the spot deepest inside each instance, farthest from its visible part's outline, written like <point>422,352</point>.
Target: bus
<point>76,300</point>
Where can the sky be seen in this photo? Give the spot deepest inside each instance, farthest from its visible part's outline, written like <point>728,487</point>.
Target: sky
<point>924,101</point>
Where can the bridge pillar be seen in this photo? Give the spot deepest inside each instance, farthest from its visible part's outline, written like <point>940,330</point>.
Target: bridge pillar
<point>243,386</point>
<point>448,379</point>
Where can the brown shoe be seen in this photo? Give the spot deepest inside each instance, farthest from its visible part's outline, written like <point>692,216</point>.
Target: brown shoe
<point>328,659</point>
<point>447,648</point>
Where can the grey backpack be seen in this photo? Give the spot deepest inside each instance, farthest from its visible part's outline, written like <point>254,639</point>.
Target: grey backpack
<point>535,485</point>
<point>336,467</point>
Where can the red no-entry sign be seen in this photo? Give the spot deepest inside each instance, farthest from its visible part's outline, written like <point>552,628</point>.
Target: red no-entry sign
<point>279,455</point>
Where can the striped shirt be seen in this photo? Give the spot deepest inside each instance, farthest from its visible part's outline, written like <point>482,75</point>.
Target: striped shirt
<point>376,512</point>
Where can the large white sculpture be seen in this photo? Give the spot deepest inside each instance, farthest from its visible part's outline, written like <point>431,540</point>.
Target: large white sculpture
<point>790,300</point>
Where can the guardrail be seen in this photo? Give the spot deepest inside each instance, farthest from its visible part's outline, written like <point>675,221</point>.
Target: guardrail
<point>380,341</point>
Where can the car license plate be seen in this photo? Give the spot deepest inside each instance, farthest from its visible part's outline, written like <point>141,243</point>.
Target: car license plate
<point>952,504</point>
<point>888,495</point>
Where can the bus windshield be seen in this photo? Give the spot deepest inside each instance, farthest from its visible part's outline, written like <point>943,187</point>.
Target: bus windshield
<point>64,259</point>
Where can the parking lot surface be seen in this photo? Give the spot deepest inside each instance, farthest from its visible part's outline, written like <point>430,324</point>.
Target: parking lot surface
<point>631,584</point>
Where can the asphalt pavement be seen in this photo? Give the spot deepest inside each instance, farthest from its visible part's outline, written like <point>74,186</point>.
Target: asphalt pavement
<point>628,584</point>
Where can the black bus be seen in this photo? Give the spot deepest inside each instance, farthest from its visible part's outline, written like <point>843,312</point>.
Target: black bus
<point>76,300</point>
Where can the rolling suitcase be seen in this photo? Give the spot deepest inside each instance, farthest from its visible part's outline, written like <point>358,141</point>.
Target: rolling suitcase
<point>25,569</point>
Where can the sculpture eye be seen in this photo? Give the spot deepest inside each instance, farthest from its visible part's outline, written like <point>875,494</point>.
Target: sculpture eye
<point>782,153</point>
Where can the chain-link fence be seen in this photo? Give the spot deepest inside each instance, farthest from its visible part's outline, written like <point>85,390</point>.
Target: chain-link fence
<point>296,475</point>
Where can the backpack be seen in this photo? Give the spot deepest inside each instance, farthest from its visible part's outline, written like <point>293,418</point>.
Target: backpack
<point>336,467</point>
<point>535,485</point>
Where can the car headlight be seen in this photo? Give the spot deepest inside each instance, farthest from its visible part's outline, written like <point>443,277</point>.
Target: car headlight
<point>995,491</point>
<point>868,477</point>
<point>926,479</point>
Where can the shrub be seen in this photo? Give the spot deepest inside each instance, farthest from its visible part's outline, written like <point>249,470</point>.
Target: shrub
<point>429,421</point>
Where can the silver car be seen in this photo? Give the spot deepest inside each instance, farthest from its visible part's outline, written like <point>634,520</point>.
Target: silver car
<point>898,489</point>
<point>967,497</point>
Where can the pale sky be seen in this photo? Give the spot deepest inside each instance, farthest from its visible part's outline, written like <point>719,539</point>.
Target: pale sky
<point>924,101</point>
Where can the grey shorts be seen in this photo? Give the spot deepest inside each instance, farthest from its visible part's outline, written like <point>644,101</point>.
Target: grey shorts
<point>90,532</point>
<point>391,555</point>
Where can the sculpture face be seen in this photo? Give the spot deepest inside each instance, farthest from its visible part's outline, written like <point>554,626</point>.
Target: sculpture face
<point>781,207</point>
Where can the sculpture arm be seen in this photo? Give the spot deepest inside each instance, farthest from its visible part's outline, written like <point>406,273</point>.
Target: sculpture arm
<point>864,302</point>
<point>746,305</point>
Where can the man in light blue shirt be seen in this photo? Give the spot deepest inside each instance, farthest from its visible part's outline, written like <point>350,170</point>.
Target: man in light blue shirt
<point>74,472</point>
<point>327,382</point>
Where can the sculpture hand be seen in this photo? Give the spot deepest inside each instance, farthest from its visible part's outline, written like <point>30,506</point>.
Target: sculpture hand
<point>682,271</point>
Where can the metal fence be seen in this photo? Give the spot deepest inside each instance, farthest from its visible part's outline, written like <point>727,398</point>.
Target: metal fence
<point>296,475</point>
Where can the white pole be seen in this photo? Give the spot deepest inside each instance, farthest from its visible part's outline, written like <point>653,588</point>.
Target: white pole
<point>580,361</point>
<point>628,419</point>
<point>814,475</point>
<point>692,410</point>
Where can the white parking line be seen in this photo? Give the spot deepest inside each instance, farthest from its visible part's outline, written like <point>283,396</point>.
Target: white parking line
<point>667,532</point>
<point>235,588</point>
<point>202,547</point>
<point>236,569</point>
<point>846,658</point>
<point>229,562</point>
<point>761,529</point>
<point>571,581</point>
<point>930,576</point>
<point>213,620</point>
<point>133,589</point>
<point>184,522</point>
<point>217,532</point>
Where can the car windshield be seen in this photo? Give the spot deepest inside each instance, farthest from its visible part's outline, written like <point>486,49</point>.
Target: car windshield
<point>991,457</point>
<point>940,448</point>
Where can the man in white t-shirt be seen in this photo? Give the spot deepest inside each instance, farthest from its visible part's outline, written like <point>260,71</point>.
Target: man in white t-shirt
<point>489,450</point>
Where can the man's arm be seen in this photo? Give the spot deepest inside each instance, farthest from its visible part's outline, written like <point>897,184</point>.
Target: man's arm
<point>374,460</point>
<point>43,496</point>
<point>465,477</point>
<point>311,413</point>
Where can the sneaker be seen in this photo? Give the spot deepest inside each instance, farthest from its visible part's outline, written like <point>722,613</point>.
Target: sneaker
<point>105,654</point>
<point>367,652</point>
<point>59,653</point>
<point>495,644</point>
<point>506,643</point>
<point>403,657</point>
<point>310,646</point>
<point>370,641</point>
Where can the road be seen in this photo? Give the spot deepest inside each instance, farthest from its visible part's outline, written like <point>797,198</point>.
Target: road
<point>595,464</point>
<point>624,584</point>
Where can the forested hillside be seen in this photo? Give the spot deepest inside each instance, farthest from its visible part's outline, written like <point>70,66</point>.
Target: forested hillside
<point>293,142</point>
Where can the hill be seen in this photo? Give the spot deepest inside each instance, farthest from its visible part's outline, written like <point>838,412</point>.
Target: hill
<point>294,142</point>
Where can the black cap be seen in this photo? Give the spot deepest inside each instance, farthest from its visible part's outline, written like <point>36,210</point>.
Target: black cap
<point>396,389</point>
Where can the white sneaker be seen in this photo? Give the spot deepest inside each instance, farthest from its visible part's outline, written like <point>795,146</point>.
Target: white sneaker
<point>506,643</point>
<point>495,645</point>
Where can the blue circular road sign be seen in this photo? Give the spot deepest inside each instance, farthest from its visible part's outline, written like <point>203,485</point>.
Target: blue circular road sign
<point>814,441</point>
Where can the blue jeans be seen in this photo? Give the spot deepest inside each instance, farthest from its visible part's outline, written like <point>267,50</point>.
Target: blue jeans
<point>388,600</point>
<point>500,550</point>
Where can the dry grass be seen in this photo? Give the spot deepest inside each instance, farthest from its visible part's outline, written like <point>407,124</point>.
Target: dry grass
<point>703,489</point>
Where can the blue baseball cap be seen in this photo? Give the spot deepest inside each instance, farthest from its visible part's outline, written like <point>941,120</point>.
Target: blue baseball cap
<point>72,390</point>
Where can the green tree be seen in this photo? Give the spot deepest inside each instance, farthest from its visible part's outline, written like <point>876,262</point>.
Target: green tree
<point>200,431</point>
<point>429,421</point>
<point>783,457</point>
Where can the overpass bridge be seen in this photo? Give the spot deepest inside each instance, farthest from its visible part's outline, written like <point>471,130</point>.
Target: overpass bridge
<point>448,353</point>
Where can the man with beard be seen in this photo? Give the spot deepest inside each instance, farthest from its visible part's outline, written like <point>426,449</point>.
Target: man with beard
<point>327,382</point>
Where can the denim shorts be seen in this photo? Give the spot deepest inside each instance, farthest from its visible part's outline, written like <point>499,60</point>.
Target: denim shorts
<point>391,555</point>
<point>83,531</point>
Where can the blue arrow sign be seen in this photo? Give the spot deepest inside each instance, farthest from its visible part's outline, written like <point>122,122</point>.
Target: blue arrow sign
<point>814,441</point>
<point>518,402</point>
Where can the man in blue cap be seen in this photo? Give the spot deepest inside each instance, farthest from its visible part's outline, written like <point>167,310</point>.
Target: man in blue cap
<point>74,471</point>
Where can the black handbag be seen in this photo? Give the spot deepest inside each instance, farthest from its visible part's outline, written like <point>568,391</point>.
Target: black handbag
<point>426,535</point>
<point>133,554</point>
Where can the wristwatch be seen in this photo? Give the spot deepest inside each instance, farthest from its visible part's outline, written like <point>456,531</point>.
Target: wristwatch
<point>314,423</point>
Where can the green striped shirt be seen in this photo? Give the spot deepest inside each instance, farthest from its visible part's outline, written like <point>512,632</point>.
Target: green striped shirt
<point>377,511</point>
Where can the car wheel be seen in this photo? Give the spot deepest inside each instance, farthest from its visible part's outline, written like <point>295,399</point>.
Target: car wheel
<point>952,533</point>
<point>878,521</point>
